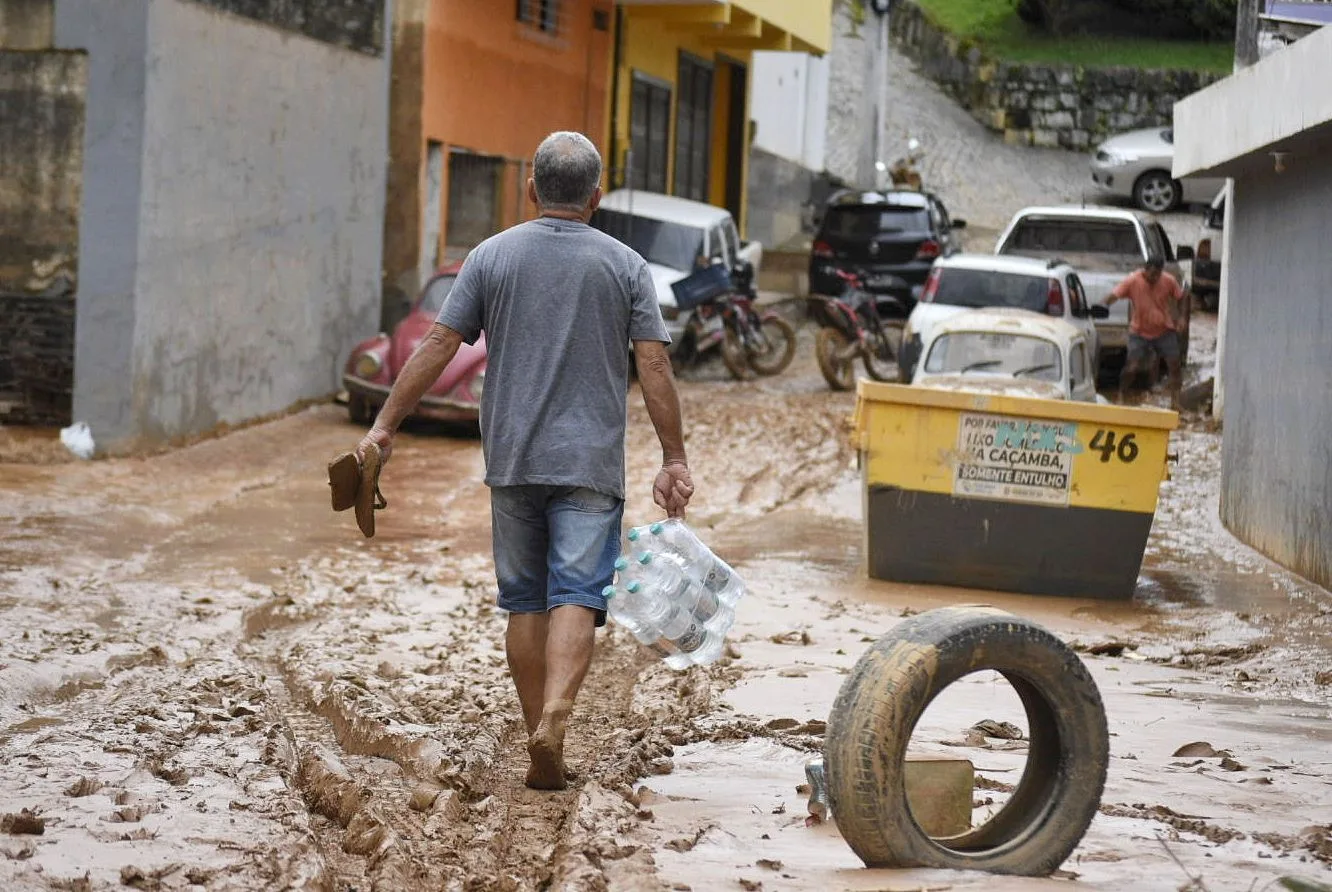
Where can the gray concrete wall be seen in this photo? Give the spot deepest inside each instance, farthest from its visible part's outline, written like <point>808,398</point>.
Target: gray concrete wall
<point>778,192</point>
<point>261,218</point>
<point>1277,441</point>
<point>116,37</point>
<point>41,166</point>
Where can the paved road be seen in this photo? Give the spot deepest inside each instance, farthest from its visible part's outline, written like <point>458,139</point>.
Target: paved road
<point>981,178</point>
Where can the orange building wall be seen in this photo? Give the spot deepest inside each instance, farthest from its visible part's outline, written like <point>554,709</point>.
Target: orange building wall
<point>496,86</point>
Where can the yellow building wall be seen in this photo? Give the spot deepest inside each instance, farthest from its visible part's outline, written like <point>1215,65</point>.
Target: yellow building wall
<point>808,21</point>
<point>653,48</point>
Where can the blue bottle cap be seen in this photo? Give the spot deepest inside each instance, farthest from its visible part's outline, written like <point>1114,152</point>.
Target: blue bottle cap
<point>634,586</point>
<point>633,535</point>
<point>656,528</point>
<point>645,557</point>
<point>608,592</point>
<point>621,565</point>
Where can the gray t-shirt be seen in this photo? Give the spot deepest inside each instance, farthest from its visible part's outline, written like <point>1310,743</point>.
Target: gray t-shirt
<point>559,302</point>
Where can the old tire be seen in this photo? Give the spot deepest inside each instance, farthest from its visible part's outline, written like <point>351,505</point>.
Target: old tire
<point>781,340</point>
<point>881,367</point>
<point>883,698</point>
<point>733,356</point>
<point>830,346</point>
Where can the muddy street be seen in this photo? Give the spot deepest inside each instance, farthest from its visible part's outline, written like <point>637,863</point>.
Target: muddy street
<point>209,680</point>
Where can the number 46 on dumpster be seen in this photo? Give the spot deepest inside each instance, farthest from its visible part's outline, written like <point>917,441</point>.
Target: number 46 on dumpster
<point>1108,443</point>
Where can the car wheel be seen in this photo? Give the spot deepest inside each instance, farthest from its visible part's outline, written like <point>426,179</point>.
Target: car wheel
<point>1156,192</point>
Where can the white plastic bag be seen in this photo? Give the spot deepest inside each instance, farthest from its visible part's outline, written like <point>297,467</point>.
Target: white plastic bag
<point>78,439</point>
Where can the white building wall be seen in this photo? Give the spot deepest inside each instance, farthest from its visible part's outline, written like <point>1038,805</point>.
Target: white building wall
<point>789,105</point>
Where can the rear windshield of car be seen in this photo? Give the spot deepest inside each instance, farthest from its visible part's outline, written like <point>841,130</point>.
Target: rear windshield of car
<point>1051,236</point>
<point>984,288</point>
<point>1022,356</point>
<point>672,245</point>
<point>438,289</point>
<point>866,222</point>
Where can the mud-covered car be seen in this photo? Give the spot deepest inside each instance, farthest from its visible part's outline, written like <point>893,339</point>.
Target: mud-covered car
<point>375,364</point>
<point>1007,351</point>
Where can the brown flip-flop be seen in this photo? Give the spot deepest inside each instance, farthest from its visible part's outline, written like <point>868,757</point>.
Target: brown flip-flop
<point>368,497</point>
<point>344,479</point>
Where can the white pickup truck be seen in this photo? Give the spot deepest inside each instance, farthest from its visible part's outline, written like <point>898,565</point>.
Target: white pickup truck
<point>1104,245</point>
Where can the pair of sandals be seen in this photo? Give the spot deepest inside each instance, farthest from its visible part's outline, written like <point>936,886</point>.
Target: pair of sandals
<point>355,484</point>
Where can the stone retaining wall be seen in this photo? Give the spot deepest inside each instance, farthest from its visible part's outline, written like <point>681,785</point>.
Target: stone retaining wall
<point>1042,105</point>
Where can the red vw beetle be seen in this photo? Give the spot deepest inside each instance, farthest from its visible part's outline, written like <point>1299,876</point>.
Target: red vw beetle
<point>375,364</point>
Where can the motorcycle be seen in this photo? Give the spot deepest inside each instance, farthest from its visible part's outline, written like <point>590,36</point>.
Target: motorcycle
<point>857,325</point>
<point>722,314</point>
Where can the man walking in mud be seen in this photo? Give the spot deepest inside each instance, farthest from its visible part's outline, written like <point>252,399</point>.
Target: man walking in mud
<point>1157,301</point>
<point>559,303</point>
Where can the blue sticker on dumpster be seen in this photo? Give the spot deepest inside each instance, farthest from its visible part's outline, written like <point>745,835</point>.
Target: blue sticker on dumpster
<point>1015,459</point>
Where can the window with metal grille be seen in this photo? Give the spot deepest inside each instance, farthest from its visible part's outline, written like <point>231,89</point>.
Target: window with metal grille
<point>693,128</point>
<point>542,14</point>
<point>649,134</point>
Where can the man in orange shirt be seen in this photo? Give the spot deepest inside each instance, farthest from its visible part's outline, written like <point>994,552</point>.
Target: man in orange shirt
<point>1154,325</point>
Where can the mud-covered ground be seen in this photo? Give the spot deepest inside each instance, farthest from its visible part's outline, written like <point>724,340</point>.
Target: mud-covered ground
<point>209,680</point>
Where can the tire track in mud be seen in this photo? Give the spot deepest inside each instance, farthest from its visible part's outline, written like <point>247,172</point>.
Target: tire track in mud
<point>416,770</point>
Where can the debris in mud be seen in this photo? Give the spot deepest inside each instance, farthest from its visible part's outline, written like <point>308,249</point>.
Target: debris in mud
<point>686,843</point>
<point>782,724</point>
<point>138,878</point>
<point>84,786</point>
<point>1203,749</point>
<point>1323,678</point>
<point>751,885</point>
<point>985,783</point>
<point>801,637</point>
<point>75,884</point>
<point>25,823</point>
<point>1195,824</point>
<point>1000,730</point>
<point>177,777</point>
<point>769,863</point>
<point>793,673</point>
<point>661,766</point>
<point>1200,657</point>
<point>1111,648</point>
<point>1230,764</point>
<point>1316,840</point>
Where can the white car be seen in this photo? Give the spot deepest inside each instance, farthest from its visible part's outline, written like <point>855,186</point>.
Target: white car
<point>970,281</point>
<point>1137,165</point>
<point>1009,352</point>
<point>672,234</point>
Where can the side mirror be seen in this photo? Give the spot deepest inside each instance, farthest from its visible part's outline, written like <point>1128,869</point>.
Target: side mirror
<point>1100,311</point>
<point>1183,252</point>
<point>959,224</point>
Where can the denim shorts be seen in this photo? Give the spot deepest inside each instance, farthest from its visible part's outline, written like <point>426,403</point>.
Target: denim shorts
<point>1165,345</point>
<point>554,545</point>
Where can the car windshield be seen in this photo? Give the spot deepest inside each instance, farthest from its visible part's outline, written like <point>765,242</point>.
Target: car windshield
<point>986,288</point>
<point>864,222</point>
<point>674,245</point>
<point>435,292</point>
<point>1036,235</point>
<point>1022,356</point>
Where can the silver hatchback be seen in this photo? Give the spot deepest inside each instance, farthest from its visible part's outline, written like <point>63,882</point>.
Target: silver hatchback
<point>1137,165</point>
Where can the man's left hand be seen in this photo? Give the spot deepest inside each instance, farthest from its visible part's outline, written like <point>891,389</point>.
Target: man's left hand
<point>381,437</point>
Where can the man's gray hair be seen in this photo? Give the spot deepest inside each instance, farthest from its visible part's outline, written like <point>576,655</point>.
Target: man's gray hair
<point>567,170</point>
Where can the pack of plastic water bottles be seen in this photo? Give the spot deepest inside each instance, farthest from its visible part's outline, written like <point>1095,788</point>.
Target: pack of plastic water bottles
<point>674,595</point>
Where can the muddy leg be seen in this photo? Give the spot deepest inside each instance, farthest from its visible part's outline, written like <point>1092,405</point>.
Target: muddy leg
<point>1176,379</point>
<point>1128,375</point>
<point>568,655</point>
<point>525,646</point>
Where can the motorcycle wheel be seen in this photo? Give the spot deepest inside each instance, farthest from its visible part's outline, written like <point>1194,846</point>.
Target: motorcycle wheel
<point>733,355</point>
<point>881,358</point>
<point>833,351</point>
<point>774,345</point>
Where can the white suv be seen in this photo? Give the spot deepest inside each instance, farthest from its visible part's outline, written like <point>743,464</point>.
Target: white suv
<point>969,281</point>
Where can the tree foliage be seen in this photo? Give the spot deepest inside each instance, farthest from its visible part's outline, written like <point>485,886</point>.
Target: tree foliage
<point>1174,19</point>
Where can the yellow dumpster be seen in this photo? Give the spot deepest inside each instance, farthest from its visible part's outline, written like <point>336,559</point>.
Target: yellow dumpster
<point>1009,493</point>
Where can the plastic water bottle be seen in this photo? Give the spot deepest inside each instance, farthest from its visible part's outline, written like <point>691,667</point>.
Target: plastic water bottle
<point>656,601</point>
<point>699,561</point>
<point>628,610</point>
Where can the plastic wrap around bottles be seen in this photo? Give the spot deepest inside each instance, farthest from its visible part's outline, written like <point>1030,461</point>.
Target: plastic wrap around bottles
<point>674,595</point>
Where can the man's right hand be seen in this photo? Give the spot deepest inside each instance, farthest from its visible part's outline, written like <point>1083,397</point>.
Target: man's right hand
<point>381,437</point>
<point>673,488</point>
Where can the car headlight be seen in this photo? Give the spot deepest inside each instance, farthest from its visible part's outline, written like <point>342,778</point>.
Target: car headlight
<point>1111,159</point>
<point>368,365</point>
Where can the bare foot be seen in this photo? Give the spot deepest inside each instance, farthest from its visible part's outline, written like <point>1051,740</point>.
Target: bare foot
<point>546,749</point>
